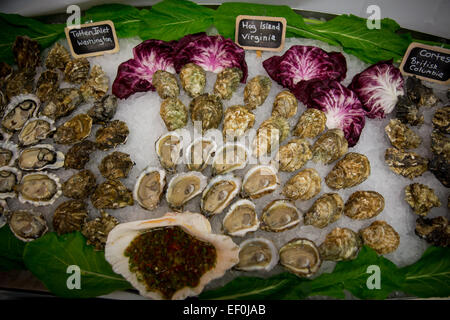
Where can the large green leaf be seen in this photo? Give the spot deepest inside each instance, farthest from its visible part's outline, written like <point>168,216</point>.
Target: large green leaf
<point>11,250</point>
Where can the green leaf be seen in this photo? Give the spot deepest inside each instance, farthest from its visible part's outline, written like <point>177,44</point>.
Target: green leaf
<point>11,251</point>
<point>49,257</point>
<point>430,276</point>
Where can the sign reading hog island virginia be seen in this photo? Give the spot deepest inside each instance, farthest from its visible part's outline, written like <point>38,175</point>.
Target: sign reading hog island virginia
<point>260,33</point>
<point>92,39</point>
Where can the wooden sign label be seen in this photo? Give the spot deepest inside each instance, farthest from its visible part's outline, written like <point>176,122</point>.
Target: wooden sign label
<point>260,33</point>
<point>427,63</point>
<point>92,39</point>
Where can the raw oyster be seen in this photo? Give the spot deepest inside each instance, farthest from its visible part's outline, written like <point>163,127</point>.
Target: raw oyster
<point>36,130</point>
<point>57,57</point>
<point>39,189</point>
<point>199,153</point>
<point>408,112</point>
<point>96,86</point>
<point>21,82</point>
<point>329,147</point>
<point>26,53</point>
<point>208,109</point>
<point>63,103</point>
<point>401,136</point>
<point>310,124</point>
<point>381,237</point>
<point>325,210</point>
<point>47,85</point>
<point>220,253</point>
<point>340,244</point>
<point>421,198</point>
<point>269,135</point>
<point>304,185</point>
<point>166,84</point>
<point>348,172</point>
<point>441,119</point>
<point>70,216</point>
<point>294,155</point>
<point>229,157</point>
<point>74,130</point>
<point>300,256</point>
<point>174,113</point>
<point>103,109</point>
<point>168,149</point>
<point>285,105</point>
<point>77,70</point>
<point>40,157</point>
<point>435,231</point>
<point>9,178</point>
<point>227,82</point>
<point>364,205</point>
<point>27,225</point>
<point>79,154</point>
<point>219,193</point>
<point>241,218</point>
<point>149,187</point>
<point>193,79</point>
<point>96,231</point>
<point>256,91</point>
<point>237,120</point>
<point>279,215</point>
<point>257,254</point>
<point>80,185</point>
<point>111,194</point>
<point>4,212</point>
<point>183,187</point>
<point>8,154</point>
<point>407,164</point>
<point>114,133</point>
<point>259,181</point>
<point>440,167</point>
<point>420,94</point>
<point>19,110</point>
<point>116,165</point>
<point>440,144</point>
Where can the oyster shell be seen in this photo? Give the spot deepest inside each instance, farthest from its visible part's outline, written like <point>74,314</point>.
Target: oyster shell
<point>114,133</point>
<point>35,130</point>
<point>407,164</point>
<point>27,225</point>
<point>229,157</point>
<point>329,147</point>
<point>237,120</point>
<point>440,144</point>
<point>285,105</point>
<point>47,85</point>
<point>74,130</point>
<point>325,210</point>
<point>70,216</point>
<point>78,155</point>
<point>103,109</point>
<point>300,256</point>
<point>9,178</point>
<point>96,231</point>
<point>294,155</point>
<point>340,244</point>
<point>219,193</point>
<point>57,57</point>
<point>256,91</point>
<point>149,187</point>
<point>63,103</point>
<point>195,225</point>
<point>257,254</point>
<point>40,157</point>
<point>408,112</point>
<point>348,172</point>
<point>166,84</point>
<point>420,94</point>
<point>441,119</point>
<point>168,149</point>
<point>364,205</point>
<point>80,185</point>
<point>116,165</point>
<point>77,70</point>
<point>401,136</point>
<point>259,181</point>
<point>421,198</point>
<point>227,82</point>
<point>26,53</point>
<point>20,82</point>
<point>111,194</point>
<point>241,218</point>
<point>19,110</point>
<point>199,153</point>
<point>304,185</point>
<point>381,237</point>
<point>183,187</point>
<point>208,109</point>
<point>440,167</point>
<point>310,124</point>
<point>269,135</point>
<point>96,86</point>
<point>39,189</point>
<point>8,154</point>
<point>4,212</point>
<point>435,231</point>
<point>280,215</point>
<point>174,113</point>
<point>193,79</point>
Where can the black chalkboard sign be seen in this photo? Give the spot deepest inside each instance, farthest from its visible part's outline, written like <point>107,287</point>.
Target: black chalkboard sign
<point>92,39</point>
<point>427,63</point>
<point>260,33</point>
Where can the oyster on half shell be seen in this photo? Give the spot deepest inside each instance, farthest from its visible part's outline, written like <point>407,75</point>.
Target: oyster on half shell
<point>280,215</point>
<point>40,157</point>
<point>39,189</point>
<point>168,149</point>
<point>229,157</point>
<point>19,110</point>
<point>219,193</point>
<point>257,254</point>
<point>183,187</point>
<point>199,153</point>
<point>9,178</point>
<point>259,181</point>
<point>36,130</point>
<point>149,187</point>
<point>300,256</point>
<point>8,154</point>
<point>27,225</point>
<point>241,218</point>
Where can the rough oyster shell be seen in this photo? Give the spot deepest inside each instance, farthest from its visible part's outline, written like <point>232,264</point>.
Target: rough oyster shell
<point>96,231</point>
<point>40,157</point>
<point>166,84</point>
<point>440,144</point>
<point>329,147</point>
<point>407,164</point>
<point>103,109</point>
<point>435,231</point>
<point>441,119</point>
<point>26,53</point>
<point>227,82</point>
<point>208,110</point>
<point>440,167</point>
<point>420,94</point>
<point>229,157</point>
<point>401,136</point>
<point>39,189</point>
<point>36,130</point>
<point>193,79</point>
<point>294,155</point>
<point>19,110</point>
<point>237,120</point>
<point>183,187</point>
<point>219,193</point>
<point>408,112</point>
<point>8,154</point>
<point>285,105</point>
<point>9,178</point>
<point>4,212</point>
<point>300,256</point>
<point>57,57</point>
<point>241,218</point>
<point>174,113</point>
<point>111,194</point>
<point>199,153</point>
<point>70,216</point>
<point>27,225</point>
<point>364,205</point>
<point>348,172</point>
<point>381,237</point>
<point>269,135</point>
<point>421,198</point>
<point>305,185</point>
<point>114,133</point>
<point>259,181</point>
<point>77,70</point>
<point>257,254</point>
<point>74,130</point>
<point>80,185</point>
<point>310,124</point>
<point>116,165</point>
<point>96,86</point>
<point>47,85</point>
<point>168,149</point>
<point>78,155</point>
<point>63,103</point>
<point>20,82</point>
<point>325,210</point>
<point>340,244</point>
<point>149,187</point>
<point>280,215</point>
<point>256,91</point>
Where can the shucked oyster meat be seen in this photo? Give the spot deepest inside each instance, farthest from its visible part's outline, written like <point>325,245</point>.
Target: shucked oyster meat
<point>77,70</point>
<point>114,133</point>
<point>9,178</point>
<point>199,153</point>
<point>260,180</point>
<point>340,244</point>
<point>193,79</point>
<point>407,164</point>
<point>381,237</point>
<point>96,231</point>
<point>166,84</point>
<point>35,130</point>
<point>227,82</point>
<point>103,109</point>
<point>57,57</point>
<point>149,187</point>
<point>62,103</point>
<point>174,113</point>
<point>70,216</point>
<point>39,157</point>
<point>39,189</point>
<point>74,130</point>
<point>329,147</point>
<point>241,218</point>
<point>183,187</point>
<point>208,110</point>
<point>27,225</point>
<point>364,205</point>
<point>325,210</point>
<point>79,154</point>
<point>256,91</point>
<point>96,86</point>
<point>80,185</point>
<point>401,136</point>
<point>300,256</point>
<point>111,194</point>
<point>257,254</point>
<point>421,198</point>
<point>310,124</point>
<point>348,172</point>
<point>304,185</point>
<point>219,193</point>
<point>285,105</point>
<point>229,157</point>
<point>294,155</point>
<point>19,110</point>
<point>269,135</point>
<point>116,165</point>
<point>237,120</point>
<point>168,149</point>
<point>279,215</point>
